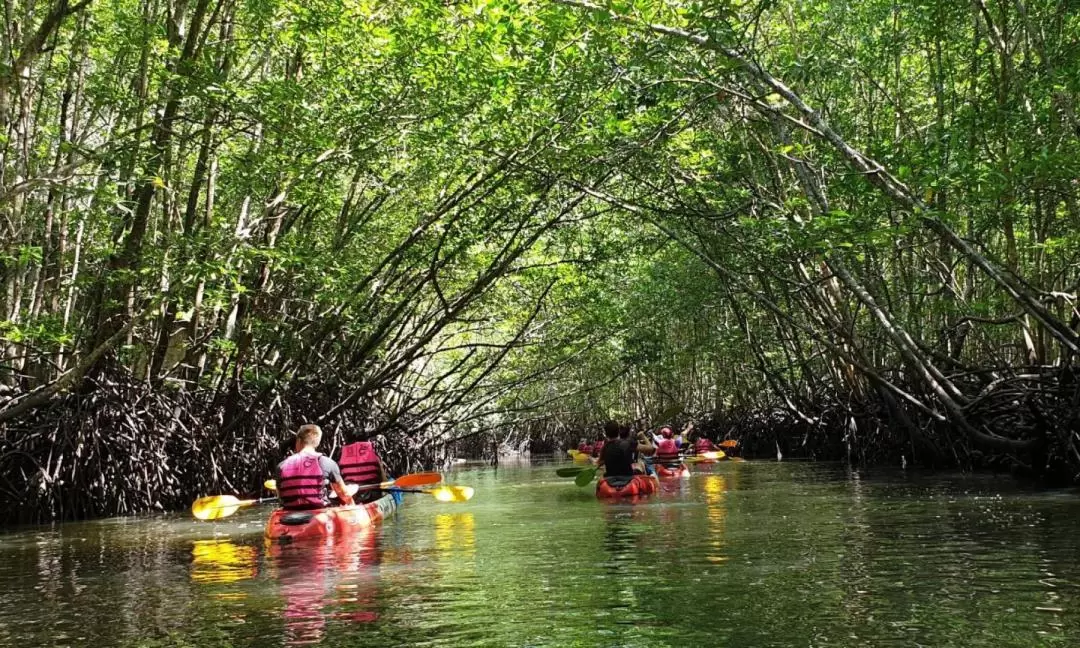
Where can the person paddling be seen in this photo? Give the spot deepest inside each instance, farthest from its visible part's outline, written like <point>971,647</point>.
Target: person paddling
<point>703,444</point>
<point>303,477</point>
<point>598,447</point>
<point>619,454</point>
<point>361,465</point>
<point>667,451</point>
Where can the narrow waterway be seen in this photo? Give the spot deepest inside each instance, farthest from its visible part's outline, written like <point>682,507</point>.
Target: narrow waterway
<point>741,555</point>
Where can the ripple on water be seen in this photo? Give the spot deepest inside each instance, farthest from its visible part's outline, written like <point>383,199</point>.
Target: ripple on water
<point>756,554</point>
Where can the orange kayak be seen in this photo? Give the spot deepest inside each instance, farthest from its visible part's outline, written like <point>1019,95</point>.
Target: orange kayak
<point>677,472</point>
<point>285,527</point>
<point>612,487</point>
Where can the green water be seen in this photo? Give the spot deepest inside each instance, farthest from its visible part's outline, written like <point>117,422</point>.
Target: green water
<point>755,554</point>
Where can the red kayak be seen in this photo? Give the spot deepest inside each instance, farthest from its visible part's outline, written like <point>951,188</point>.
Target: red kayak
<point>285,527</point>
<point>614,487</point>
<point>681,471</point>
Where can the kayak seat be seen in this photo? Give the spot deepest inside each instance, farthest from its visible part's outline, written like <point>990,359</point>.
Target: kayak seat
<point>296,519</point>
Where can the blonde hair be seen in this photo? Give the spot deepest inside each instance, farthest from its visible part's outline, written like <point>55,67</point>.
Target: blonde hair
<point>307,433</point>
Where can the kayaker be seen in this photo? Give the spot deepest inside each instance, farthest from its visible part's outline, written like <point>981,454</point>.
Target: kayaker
<point>703,444</point>
<point>303,477</point>
<point>619,454</point>
<point>584,447</point>
<point>361,465</point>
<point>598,447</point>
<point>667,452</point>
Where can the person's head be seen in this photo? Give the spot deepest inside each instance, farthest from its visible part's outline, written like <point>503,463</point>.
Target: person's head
<point>611,430</point>
<point>665,432</point>
<point>308,436</point>
<point>624,431</point>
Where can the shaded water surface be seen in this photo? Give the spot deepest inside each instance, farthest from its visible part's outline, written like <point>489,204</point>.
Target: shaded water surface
<point>754,554</point>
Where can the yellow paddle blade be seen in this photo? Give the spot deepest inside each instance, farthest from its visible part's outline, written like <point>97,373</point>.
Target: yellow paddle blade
<point>453,493</point>
<point>270,484</point>
<point>215,507</point>
<point>715,454</point>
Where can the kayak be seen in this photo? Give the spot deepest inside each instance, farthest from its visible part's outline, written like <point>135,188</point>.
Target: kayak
<point>678,472</point>
<point>612,487</point>
<point>285,527</point>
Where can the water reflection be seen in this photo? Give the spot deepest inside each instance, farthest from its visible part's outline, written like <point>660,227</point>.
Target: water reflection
<point>333,579</point>
<point>221,561</point>
<point>455,532</point>
<point>715,486</point>
<point>751,555</point>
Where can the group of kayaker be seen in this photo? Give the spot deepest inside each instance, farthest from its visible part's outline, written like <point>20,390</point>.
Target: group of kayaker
<point>306,476</point>
<point>623,454</point>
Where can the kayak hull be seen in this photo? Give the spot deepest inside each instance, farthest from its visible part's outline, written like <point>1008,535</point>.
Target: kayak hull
<point>637,486</point>
<point>682,471</point>
<point>285,527</point>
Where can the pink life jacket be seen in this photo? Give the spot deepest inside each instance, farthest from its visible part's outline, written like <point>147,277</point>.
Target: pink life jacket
<point>667,451</point>
<point>359,463</point>
<point>703,445</point>
<point>301,484</point>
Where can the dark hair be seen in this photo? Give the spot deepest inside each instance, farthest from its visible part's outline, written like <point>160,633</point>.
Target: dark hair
<point>611,429</point>
<point>624,431</point>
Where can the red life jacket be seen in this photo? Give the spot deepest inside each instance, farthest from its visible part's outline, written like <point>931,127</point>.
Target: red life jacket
<point>301,484</point>
<point>703,445</point>
<point>598,448</point>
<point>667,451</point>
<point>359,464</point>
<point>584,448</point>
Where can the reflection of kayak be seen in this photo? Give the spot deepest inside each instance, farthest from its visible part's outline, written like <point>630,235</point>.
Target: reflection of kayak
<point>322,582</point>
<point>680,471</point>
<point>611,487</point>
<point>287,526</point>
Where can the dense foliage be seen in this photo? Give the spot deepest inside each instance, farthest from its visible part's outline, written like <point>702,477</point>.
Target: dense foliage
<point>835,228</point>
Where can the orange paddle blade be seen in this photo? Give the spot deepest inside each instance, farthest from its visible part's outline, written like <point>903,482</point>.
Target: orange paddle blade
<point>417,479</point>
<point>728,443</point>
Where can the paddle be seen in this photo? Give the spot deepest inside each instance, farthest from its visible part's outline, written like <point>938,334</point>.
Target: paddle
<point>442,493</point>
<point>728,443</point>
<point>405,481</point>
<point>215,507</point>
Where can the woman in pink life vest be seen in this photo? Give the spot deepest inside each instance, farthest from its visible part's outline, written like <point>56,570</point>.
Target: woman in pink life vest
<point>361,465</point>
<point>303,477</point>
<point>667,452</point>
<point>703,445</point>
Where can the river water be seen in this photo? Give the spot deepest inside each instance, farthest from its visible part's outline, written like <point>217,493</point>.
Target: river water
<point>741,555</point>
